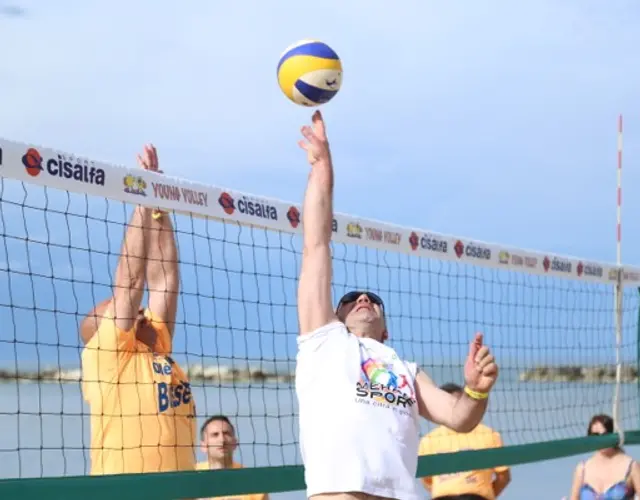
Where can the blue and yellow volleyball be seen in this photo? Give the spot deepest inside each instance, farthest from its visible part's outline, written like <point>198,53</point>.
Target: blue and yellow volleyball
<point>310,73</point>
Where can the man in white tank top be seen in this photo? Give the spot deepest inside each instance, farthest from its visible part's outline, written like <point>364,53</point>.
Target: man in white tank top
<point>359,402</point>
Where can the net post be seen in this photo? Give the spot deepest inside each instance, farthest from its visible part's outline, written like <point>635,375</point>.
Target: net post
<point>618,298</point>
<point>618,289</point>
<point>638,360</point>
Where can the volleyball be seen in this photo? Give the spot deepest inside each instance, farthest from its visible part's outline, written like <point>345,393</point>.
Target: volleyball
<point>309,73</point>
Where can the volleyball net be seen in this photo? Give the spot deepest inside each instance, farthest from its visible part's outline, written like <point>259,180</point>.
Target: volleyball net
<point>565,330</point>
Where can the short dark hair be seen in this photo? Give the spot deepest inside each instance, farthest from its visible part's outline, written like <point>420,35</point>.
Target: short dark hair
<point>215,418</point>
<point>451,388</point>
<point>605,420</point>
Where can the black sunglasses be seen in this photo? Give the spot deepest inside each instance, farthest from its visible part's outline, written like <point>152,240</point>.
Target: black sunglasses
<point>350,297</point>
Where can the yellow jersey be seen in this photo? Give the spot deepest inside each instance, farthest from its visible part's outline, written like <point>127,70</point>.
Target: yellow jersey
<point>252,496</point>
<point>444,440</point>
<point>141,405</point>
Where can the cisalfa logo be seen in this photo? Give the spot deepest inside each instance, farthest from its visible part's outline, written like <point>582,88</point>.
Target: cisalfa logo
<point>32,161</point>
<point>414,241</point>
<point>459,248</point>
<point>293,216</point>
<point>227,203</point>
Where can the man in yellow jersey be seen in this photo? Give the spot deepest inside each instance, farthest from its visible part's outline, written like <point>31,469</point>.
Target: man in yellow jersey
<point>218,442</point>
<point>485,484</point>
<point>142,408</point>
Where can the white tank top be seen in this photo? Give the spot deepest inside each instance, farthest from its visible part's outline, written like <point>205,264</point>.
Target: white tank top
<point>359,419</point>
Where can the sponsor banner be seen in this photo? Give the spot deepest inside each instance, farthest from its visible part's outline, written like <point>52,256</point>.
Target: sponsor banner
<point>56,169</point>
<point>294,216</point>
<point>557,264</point>
<point>504,257</point>
<point>180,194</point>
<point>382,235</point>
<point>471,250</point>
<point>428,243</point>
<point>354,230</point>
<point>588,269</point>
<point>251,208</point>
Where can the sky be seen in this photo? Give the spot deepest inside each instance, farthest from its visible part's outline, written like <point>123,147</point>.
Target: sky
<point>492,120</point>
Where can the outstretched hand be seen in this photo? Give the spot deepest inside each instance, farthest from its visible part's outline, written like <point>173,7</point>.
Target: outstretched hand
<point>148,160</point>
<point>316,144</point>
<point>480,369</point>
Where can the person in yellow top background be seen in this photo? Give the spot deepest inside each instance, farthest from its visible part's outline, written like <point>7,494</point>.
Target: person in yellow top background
<point>485,484</point>
<point>218,442</point>
<point>141,406</point>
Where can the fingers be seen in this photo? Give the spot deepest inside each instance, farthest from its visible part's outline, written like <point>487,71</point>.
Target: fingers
<point>478,338</point>
<point>149,158</point>
<point>475,345</point>
<point>481,353</point>
<point>141,162</point>
<point>490,370</point>
<point>315,143</point>
<point>485,362</point>
<point>318,125</point>
<point>313,147</point>
<point>310,135</point>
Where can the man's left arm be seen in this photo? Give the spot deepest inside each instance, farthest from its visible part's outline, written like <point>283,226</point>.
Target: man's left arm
<point>464,413</point>
<point>461,414</point>
<point>163,275</point>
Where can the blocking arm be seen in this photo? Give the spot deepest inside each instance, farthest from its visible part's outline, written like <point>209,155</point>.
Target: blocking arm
<point>162,270</point>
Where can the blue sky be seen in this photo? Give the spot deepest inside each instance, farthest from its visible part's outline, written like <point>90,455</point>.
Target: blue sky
<point>492,120</point>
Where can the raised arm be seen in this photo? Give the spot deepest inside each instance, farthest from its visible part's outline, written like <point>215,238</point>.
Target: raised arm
<point>128,285</point>
<point>163,277</point>
<point>315,308</point>
<point>463,413</point>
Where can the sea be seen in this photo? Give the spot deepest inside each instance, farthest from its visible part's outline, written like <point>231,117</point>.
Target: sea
<point>45,427</point>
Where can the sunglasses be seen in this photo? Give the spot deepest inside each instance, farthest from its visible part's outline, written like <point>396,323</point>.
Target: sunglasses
<point>350,297</point>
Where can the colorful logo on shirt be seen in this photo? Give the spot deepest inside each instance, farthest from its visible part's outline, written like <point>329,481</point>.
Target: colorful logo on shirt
<point>172,392</point>
<point>381,385</point>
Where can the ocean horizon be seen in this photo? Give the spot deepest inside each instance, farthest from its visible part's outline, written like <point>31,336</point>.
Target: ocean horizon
<point>46,425</point>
